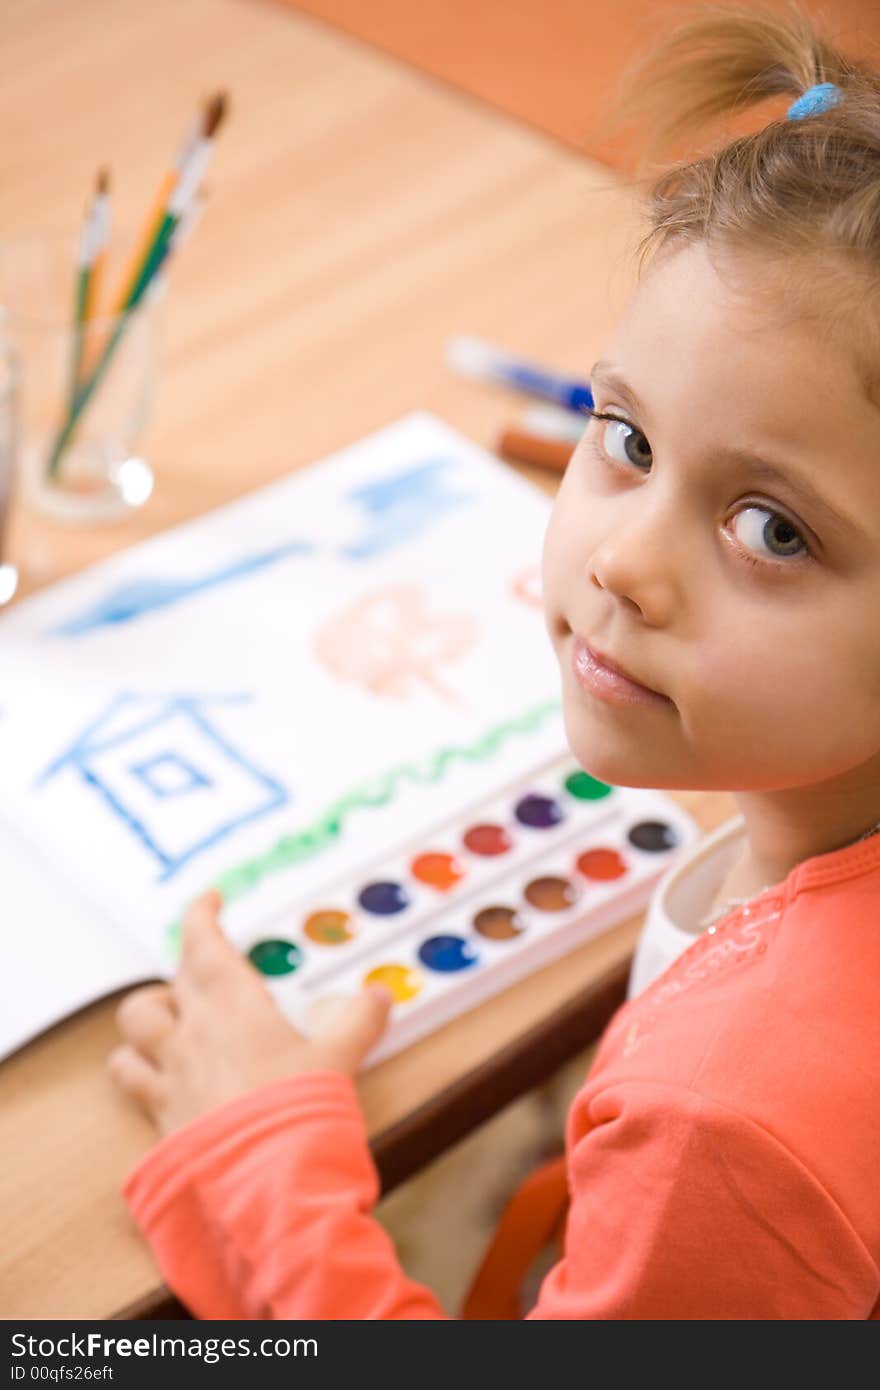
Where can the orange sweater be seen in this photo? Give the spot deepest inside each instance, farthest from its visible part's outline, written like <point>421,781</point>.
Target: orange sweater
<point>722,1154</point>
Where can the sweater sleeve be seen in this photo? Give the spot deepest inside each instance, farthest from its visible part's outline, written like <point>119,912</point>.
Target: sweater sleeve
<point>261,1209</point>
<point>684,1209</point>
<point>680,1209</point>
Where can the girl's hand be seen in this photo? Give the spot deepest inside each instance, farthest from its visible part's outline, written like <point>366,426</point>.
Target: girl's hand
<point>216,1032</point>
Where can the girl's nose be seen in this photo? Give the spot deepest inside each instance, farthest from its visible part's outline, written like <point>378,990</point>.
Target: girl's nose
<point>636,561</point>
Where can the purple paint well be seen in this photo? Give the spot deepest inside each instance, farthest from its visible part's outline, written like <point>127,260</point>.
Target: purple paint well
<point>538,812</point>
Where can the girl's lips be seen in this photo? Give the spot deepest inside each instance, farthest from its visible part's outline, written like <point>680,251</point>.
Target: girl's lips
<point>607,683</point>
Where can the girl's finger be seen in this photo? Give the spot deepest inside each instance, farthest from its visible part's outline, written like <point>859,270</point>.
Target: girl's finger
<point>146,1017</point>
<point>203,943</point>
<point>354,1026</point>
<point>137,1077</point>
<point>209,963</point>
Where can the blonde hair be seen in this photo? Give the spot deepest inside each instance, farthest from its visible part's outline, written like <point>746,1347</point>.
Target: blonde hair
<point>805,193</point>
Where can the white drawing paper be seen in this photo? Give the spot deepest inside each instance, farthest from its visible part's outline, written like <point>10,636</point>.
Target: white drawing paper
<point>263,699</point>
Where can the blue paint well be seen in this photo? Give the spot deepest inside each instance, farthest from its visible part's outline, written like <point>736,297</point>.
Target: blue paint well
<point>446,954</point>
<point>383,898</point>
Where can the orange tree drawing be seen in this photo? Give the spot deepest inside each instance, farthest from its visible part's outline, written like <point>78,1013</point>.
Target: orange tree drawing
<point>390,644</point>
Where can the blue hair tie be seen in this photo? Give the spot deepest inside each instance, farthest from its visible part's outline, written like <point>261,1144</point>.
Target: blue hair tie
<point>814,101</point>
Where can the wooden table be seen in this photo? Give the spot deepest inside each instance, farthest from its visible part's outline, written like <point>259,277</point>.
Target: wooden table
<point>360,215</point>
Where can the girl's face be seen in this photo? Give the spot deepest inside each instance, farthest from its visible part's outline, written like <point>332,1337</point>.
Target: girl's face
<point>719,540</point>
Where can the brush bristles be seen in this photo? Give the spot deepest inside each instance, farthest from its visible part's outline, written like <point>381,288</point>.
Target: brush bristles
<point>214,113</point>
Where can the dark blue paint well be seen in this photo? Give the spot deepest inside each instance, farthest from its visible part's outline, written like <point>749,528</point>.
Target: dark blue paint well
<point>383,898</point>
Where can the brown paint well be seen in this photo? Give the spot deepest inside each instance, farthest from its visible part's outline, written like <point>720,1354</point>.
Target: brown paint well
<point>498,923</point>
<point>551,893</point>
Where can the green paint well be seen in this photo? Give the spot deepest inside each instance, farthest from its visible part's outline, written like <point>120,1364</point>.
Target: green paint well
<point>585,787</point>
<point>324,832</point>
<point>276,957</point>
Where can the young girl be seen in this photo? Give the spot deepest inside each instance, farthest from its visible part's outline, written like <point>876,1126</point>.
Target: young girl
<point>712,586</point>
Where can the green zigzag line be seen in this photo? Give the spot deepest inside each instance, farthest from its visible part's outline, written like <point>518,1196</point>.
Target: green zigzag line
<point>379,791</point>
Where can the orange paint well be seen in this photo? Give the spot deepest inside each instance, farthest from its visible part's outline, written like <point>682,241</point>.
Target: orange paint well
<point>437,870</point>
<point>329,927</point>
<point>600,864</point>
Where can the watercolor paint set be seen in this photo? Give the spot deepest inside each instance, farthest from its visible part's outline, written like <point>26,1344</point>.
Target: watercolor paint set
<point>485,899</point>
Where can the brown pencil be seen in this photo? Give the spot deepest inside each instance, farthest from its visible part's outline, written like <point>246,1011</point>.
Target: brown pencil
<point>524,447</point>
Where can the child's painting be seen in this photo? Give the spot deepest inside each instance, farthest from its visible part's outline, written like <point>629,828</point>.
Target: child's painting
<point>263,700</point>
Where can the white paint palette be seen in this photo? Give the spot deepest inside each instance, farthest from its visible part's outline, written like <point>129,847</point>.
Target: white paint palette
<point>481,902</point>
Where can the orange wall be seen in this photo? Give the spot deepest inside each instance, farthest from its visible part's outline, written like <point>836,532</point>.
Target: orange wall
<point>553,63</point>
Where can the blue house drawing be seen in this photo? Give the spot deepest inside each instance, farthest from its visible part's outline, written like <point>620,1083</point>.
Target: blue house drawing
<point>169,775</point>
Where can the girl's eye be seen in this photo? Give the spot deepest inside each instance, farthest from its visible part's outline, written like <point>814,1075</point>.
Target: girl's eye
<point>767,533</point>
<point>622,442</point>
<point>759,526</point>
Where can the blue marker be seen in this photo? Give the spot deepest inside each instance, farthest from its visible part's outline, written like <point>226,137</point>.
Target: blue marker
<point>476,358</point>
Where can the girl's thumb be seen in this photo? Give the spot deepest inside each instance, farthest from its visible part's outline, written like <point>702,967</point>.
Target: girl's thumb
<point>351,1027</point>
